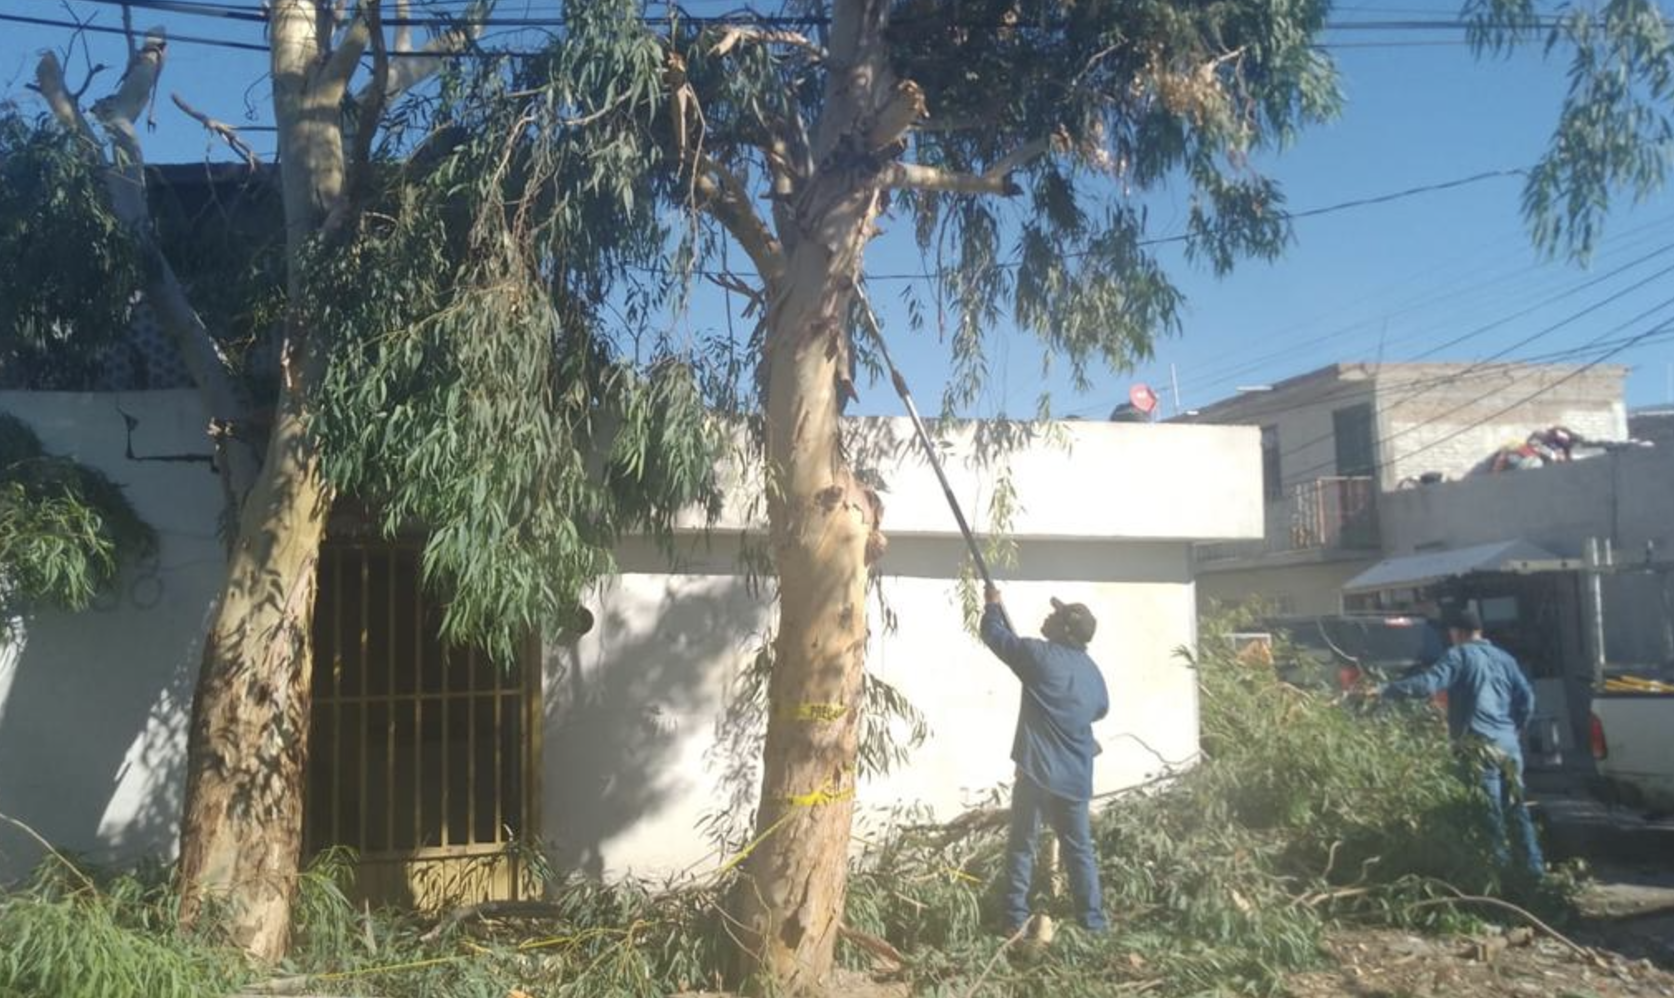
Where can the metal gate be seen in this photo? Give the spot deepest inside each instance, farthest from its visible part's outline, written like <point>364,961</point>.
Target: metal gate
<point>421,757</point>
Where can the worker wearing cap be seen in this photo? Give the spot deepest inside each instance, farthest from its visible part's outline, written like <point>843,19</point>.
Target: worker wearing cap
<point>1063,694</point>
<point>1489,702</point>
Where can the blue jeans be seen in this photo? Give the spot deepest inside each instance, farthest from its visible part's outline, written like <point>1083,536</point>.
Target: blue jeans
<point>1031,802</point>
<point>1503,783</point>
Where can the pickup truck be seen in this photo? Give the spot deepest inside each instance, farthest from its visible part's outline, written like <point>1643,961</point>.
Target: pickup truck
<point>1633,740</point>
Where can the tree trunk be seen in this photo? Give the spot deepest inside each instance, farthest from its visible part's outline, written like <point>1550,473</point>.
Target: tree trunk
<point>825,531</point>
<point>241,833</point>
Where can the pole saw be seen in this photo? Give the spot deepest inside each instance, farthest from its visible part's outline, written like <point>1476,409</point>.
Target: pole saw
<point>935,459</point>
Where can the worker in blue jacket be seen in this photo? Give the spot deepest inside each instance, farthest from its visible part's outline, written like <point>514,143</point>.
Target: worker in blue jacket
<point>1489,702</point>
<point>1063,694</point>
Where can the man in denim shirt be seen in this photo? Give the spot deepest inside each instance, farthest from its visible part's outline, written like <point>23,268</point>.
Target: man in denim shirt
<point>1063,694</point>
<point>1489,702</point>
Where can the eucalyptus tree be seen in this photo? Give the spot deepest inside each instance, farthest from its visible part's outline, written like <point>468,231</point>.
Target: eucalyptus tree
<point>1017,139</point>
<point>440,360</point>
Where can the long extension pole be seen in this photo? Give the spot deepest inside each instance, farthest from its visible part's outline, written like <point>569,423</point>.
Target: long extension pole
<point>930,452</point>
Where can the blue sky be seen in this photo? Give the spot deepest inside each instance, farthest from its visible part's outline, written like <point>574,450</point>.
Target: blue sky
<point>1390,281</point>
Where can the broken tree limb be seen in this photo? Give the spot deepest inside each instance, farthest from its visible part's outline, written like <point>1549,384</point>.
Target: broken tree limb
<point>419,65</point>
<point>125,184</point>
<point>215,126</point>
<point>917,176</point>
<point>729,202</point>
<point>1460,897</point>
<point>491,909</point>
<point>733,35</point>
<point>874,945</point>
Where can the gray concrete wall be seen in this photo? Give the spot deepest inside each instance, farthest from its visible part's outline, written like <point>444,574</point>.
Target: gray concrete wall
<point>1308,588</point>
<point>1626,497</point>
<point>1655,425</point>
<point>1435,421</point>
<point>1428,417</point>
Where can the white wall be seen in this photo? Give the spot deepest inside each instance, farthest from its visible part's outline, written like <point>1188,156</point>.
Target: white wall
<point>636,756</point>
<point>1085,479</point>
<point>635,752</point>
<point>93,706</point>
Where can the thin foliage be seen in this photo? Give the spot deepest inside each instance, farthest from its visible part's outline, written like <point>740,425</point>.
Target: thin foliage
<point>71,269</point>
<point>1304,813</point>
<point>65,529</point>
<point>476,387</point>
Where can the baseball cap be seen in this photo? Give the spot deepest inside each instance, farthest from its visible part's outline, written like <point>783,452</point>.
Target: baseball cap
<point>1078,621</point>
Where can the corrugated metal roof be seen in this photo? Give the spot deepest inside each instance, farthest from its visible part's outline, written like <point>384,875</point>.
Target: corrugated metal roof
<point>1432,566</point>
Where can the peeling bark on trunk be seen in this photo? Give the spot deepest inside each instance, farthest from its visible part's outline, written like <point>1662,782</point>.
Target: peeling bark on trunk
<point>241,835</point>
<point>790,901</point>
<point>825,532</point>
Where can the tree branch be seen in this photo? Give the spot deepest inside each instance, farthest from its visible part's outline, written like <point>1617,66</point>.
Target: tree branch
<point>409,72</point>
<point>994,180</point>
<point>403,30</point>
<point>916,176</point>
<point>49,83</point>
<point>340,65</point>
<point>125,184</point>
<point>729,202</point>
<point>732,36</point>
<point>1018,158</point>
<point>228,133</point>
<point>360,162</point>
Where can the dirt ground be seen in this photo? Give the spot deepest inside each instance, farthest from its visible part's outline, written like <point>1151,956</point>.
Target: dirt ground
<point>1628,936</point>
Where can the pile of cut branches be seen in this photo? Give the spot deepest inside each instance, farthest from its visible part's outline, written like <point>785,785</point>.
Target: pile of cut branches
<point>1305,811</point>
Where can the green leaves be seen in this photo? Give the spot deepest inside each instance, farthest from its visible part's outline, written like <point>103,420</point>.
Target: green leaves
<point>65,529</point>
<point>1128,98</point>
<point>71,269</point>
<point>475,391</point>
<point>1615,133</point>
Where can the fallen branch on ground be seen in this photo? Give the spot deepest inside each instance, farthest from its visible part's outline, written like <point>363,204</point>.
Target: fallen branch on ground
<point>491,909</point>
<point>874,945</point>
<point>1460,897</point>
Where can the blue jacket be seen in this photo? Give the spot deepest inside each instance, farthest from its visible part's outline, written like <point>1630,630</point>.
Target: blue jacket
<point>1063,694</point>
<point>1487,694</point>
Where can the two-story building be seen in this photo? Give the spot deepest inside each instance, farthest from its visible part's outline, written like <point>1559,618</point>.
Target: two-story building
<point>1335,439</point>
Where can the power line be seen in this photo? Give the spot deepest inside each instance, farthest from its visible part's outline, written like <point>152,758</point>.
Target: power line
<point>1583,369</point>
<point>1590,345</point>
<point>1258,411</point>
<point>1454,289</point>
<point>753,20</point>
<point>201,8</point>
<point>1330,209</point>
<point>106,30</point>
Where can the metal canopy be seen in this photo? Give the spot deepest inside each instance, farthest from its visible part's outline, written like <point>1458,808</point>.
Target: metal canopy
<point>1413,570</point>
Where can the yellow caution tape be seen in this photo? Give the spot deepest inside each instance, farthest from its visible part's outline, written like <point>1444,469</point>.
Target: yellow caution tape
<point>819,797</point>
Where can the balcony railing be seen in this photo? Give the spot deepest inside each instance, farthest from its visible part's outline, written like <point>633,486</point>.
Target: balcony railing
<point>1325,514</point>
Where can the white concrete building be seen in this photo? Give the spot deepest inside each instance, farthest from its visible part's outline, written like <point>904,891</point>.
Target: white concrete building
<point>1337,439</point>
<point>617,749</point>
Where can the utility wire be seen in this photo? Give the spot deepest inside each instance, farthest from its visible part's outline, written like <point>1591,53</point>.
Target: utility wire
<point>1235,364</point>
<point>1428,384</point>
<point>1256,410</point>
<point>1592,344</point>
<point>1571,376</point>
<point>751,20</point>
<point>198,8</point>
